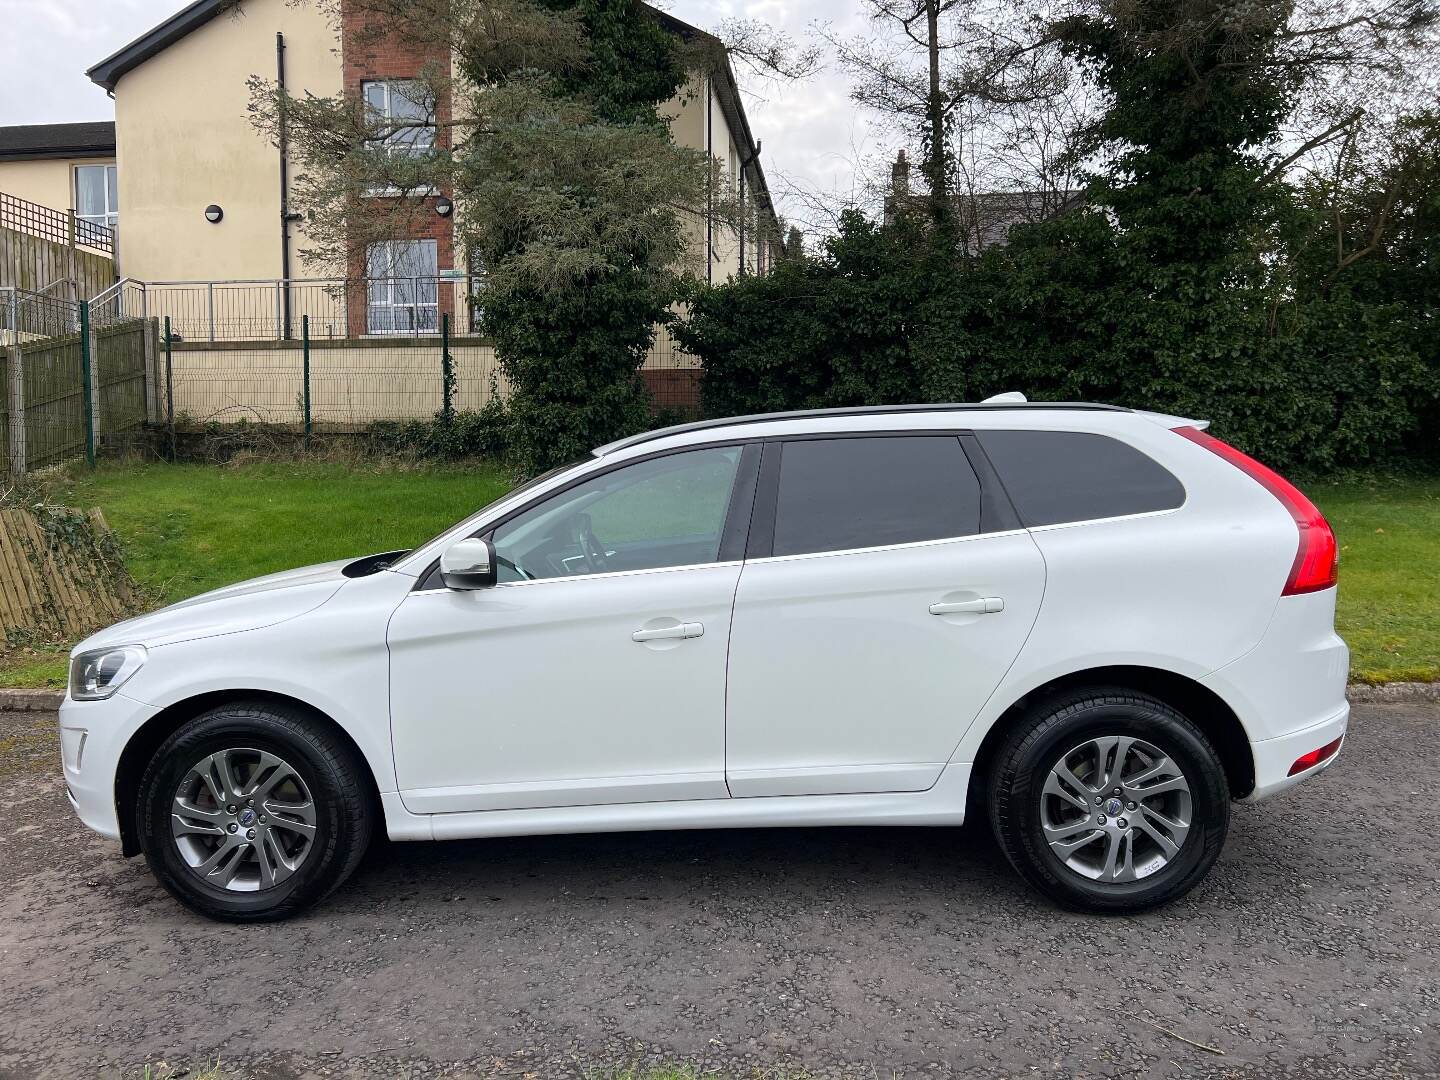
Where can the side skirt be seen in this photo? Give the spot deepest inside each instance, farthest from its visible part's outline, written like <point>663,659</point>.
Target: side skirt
<point>942,804</point>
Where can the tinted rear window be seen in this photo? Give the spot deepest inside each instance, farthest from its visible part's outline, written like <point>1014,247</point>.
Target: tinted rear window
<point>868,492</point>
<point>1058,476</point>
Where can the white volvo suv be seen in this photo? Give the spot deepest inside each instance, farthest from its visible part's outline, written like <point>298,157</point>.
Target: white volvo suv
<point>1091,626</point>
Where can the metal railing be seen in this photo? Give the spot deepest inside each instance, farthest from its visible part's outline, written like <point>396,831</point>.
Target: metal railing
<point>25,315</point>
<point>272,310</point>
<point>58,226</point>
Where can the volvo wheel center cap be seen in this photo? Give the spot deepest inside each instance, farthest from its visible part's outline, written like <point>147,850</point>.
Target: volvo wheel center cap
<point>247,817</point>
<point>1112,807</point>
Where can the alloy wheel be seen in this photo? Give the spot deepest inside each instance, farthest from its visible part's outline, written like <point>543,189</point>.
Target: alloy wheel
<point>1115,809</point>
<point>243,819</point>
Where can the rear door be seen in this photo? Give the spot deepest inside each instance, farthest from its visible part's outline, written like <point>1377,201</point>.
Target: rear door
<point>885,593</point>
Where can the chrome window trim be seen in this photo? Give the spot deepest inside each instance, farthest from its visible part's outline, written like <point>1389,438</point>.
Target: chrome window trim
<point>888,547</point>
<point>1113,518</point>
<point>588,577</point>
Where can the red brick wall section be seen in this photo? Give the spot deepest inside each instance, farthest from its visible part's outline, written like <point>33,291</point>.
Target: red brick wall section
<point>388,55</point>
<point>673,388</point>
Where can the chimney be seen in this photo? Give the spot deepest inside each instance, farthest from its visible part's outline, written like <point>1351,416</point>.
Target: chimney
<point>900,177</point>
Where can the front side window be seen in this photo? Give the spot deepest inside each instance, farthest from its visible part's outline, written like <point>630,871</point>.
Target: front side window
<point>97,200</point>
<point>837,494</point>
<point>666,511</point>
<point>398,108</point>
<point>402,287</point>
<point>1062,476</point>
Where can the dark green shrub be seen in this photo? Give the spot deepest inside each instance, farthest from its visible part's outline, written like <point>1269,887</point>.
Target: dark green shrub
<point>482,433</point>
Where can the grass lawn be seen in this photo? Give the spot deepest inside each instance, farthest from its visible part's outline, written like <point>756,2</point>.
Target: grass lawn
<point>189,528</point>
<point>1389,606</point>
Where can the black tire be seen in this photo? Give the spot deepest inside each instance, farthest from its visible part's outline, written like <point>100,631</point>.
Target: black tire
<point>1046,733</point>
<point>329,768</point>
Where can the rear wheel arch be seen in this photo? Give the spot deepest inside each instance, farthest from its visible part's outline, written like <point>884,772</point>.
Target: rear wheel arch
<point>1201,705</point>
<point>147,740</point>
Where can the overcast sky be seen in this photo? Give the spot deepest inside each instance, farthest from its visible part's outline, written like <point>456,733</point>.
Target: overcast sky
<point>812,134</point>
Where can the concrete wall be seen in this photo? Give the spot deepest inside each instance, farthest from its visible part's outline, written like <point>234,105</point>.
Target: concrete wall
<point>184,141</point>
<point>357,382</point>
<point>352,383</point>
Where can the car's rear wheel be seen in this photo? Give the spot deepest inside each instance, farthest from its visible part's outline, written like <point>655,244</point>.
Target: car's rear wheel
<point>253,811</point>
<point>1109,800</point>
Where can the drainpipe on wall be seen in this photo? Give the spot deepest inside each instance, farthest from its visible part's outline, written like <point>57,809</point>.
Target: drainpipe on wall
<point>709,191</point>
<point>284,188</point>
<point>745,164</point>
<point>740,180</point>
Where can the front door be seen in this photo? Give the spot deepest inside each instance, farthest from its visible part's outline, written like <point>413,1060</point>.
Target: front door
<point>879,622</point>
<point>594,672</point>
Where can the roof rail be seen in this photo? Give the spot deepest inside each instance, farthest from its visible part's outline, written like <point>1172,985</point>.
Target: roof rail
<point>854,410</point>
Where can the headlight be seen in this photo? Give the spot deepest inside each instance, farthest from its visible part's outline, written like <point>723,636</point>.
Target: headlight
<point>96,675</point>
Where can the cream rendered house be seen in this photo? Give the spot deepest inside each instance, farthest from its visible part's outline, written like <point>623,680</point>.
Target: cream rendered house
<point>185,144</point>
<point>212,247</point>
<point>62,167</point>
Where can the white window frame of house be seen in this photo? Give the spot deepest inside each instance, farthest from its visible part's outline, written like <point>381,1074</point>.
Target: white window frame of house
<point>413,139</point>
<point>391,292</point>
<point>109,217</point>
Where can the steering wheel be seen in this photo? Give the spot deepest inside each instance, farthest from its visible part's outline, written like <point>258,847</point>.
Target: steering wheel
<point>590,546</point>
<point>525,575</point>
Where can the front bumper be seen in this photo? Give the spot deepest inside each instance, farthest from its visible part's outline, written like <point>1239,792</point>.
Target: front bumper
<point>93,735</point>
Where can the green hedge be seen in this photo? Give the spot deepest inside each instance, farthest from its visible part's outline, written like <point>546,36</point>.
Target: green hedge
<point>1063,313</point>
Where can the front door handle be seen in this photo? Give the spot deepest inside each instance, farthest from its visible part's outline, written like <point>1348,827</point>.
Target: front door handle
<point>986,605</point>
<point>680,630</point>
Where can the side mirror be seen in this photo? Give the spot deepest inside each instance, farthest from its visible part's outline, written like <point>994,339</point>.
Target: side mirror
<point>469,564</point>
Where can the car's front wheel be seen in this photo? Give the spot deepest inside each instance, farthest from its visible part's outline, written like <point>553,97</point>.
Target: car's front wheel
<point>1109,800</point>
<point>253,811</point>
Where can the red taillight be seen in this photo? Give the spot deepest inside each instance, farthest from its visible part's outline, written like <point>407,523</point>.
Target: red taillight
<point>1315,757</point>
<point>1317,561</point>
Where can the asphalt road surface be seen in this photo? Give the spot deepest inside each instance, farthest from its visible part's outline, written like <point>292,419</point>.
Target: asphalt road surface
<point>1313,950</point>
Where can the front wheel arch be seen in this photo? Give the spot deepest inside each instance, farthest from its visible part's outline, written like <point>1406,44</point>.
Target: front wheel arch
<point>1198,703</point>
<point>148,738</point>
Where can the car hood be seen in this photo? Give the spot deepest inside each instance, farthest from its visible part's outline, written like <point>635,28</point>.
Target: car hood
<point>249,605</point>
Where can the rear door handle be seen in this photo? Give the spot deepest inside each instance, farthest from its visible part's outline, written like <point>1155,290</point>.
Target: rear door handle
<point>986,605</point>
<point>683,630</point>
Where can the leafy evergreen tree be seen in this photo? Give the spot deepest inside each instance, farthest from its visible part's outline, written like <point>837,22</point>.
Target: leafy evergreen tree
<point>1196,280</point>
<point>568,190</point>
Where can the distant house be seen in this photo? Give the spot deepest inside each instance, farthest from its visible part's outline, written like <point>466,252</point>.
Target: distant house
<point>63,167</point>
<point>185,143</point>
<point>984,218</point>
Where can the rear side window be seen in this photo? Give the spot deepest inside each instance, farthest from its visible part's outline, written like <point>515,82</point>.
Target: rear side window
<point>836,494</point>
<point>1059,476</point>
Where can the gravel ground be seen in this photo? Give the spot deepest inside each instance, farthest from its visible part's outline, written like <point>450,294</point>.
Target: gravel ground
<point>1313,950</point>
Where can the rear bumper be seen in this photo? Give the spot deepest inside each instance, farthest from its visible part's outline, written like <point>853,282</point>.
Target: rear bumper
<point>1289,691</point>
<point>1273,757</point>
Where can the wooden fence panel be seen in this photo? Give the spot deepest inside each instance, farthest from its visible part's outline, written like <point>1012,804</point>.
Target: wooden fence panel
<point>61,577</point>
<point>120,356</point>
<point>4,412</point>
<point>54,400</point>
<point>34,263</point>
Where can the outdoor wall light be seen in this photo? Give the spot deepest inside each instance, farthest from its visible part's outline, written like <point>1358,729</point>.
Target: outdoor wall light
<point>444,207</point>
<point>213,214</point>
